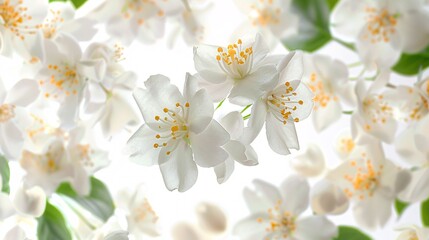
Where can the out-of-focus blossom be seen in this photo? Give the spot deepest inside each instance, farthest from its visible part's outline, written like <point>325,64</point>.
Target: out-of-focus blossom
<point>310,163</point>
<point>141,218</point>
<point>179,132</point>
<point>240,71</point>
<point>276,213</point>
<point>413,232</point>
<point>382,29</point>
<point>239,150</point>
<point>30,201</point>
<point>288,102</point>
<point>328,80</point>
<point>12,112</point>
<point>273,18</point>
<point>375,113</point>
<point>371,182</point>
<point>328,198</point>
<point>19,24</point>
<point>345,145</point>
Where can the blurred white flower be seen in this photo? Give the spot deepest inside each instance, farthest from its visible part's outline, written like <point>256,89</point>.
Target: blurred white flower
<point>345,145</point>
<point>19,24</point>
<point>289,101</point>
<point>30,201</point>
<point>12,114</point>
<point>132,19</point>
<point>275,213</point>
<point>272,18</point>
<point>371,182</point>
<point>375,113</point>
<point>382,29</point>
<point>239,150</point>
<point>328,198</point>
<point>412,232</point>
<point>329,81</point>
<point>141,218</point>
<point>61,20</point>
<point>178,133</point>
<point>240,71</point>
<point>310,163</point>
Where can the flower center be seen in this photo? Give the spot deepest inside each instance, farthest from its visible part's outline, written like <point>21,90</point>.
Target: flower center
<point>140,10</point>
<point>235,61</point>
<point>323,94</point>
<point>50,162</point>
<point>144,211</point>
<point>13,17</point>
<point>347,145</point>
<point>174,122</point>
<point>381,24</point>
<point>265,13</point>
<point>84,153</point>
<point>282,103</point>
<point>280,221</point>
<point>377,110</point>
<point>49,27</point>
<point>365,180</point>
<point>64,81</point>
<point>7,112</point>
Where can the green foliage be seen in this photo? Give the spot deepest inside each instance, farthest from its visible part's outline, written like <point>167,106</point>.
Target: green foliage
<point>5,174</point>
<point>99,201</point>
<point>424,212</point>
<point>400,207</point>
<point>350,233</point>
<point>52,225</point>
<point>313,30</point>
<point>411,64</point>
<point>77,3</point>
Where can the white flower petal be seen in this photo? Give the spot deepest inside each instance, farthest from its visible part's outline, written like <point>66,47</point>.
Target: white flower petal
<point>310,163</point>
<point>140,149</point>
<point>207,65</point>
<point>315,227</point>
<point>211,218</point>
<point>200,112</point>
<point>291,68</point>
<point>324,116</point>
<point>249,228</point>
<point>256,122</point>
<point>281,137</point>
<point>414,31</point>
<point>224,170</point>
<point>185,231</point>
<point>233,123</point>
<point>348,18</point>
<point>295,191</point>
<point>178,169</point>
<point>418,189</point>
<point>23,93</point>
<point>268,191</point>
<point>206,146</point>
<point>327,198</point>
<point>6,206</point>
<point>30,201</point>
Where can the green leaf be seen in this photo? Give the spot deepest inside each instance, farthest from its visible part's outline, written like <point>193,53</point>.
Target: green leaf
<point>424,212</point>
<point>77,3</point>
<point>331,4</point>
<point>52,225</point>
<point>99,201</point>
<point>313,30</point>
<point>350,233</point>
<point>400,207</point>
<point>5,174</point>
<point>411,64</point>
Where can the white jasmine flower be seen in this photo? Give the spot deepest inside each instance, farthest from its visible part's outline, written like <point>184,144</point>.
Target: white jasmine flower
<point>371,182</point>
<point>238,149</point>
<point>328,198</point>
<point>382,29</point>
<point>19,24</point>
<point>413,233</point>
<point>310,163</point>
<point>328,80</point>
<point>178,133</point>
<point>375,113</point>
<point>12,112</point>
<point>240,69</point>
<point>288,102</point>
<point>276,213</point>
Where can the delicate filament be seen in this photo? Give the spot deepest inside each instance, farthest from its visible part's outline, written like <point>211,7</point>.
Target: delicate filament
<point>50,25</point>
<point>377,110</point>
<point>265,13</point>
<point>234,60</point>
<point>280,221</point>
<point>381,24</point>
<point>323,95</point>
<point>64,80</point>
<point>15,17</point>
<point>283,106</point>
<point>7,112</point>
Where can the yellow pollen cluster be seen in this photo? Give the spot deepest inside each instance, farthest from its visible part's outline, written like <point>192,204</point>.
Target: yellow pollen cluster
<point>84,153</point>
<point>118,54</point>
<point>347,145</point>
<point>280,221</point>
<point>49,27</point>
<point>63,79</point>
<point>145,211</point>
<point>283,105</point>
<point>265,14</point>
<point>234,54</point>
<point>377,110</point>
<point>138,7</point>
<point>381,24</point>
<point>14,17</point>
<point>364,181</point>
<point>175,121</point>
<point>322,95</point>
<point>7,112</point>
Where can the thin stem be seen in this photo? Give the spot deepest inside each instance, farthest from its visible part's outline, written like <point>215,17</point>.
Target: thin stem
<point>246,117</point>
<point>344,44</point>
<point>348,112</point>
<point>220,104</point>
<point>244,109</point>
<point>356,64</point>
